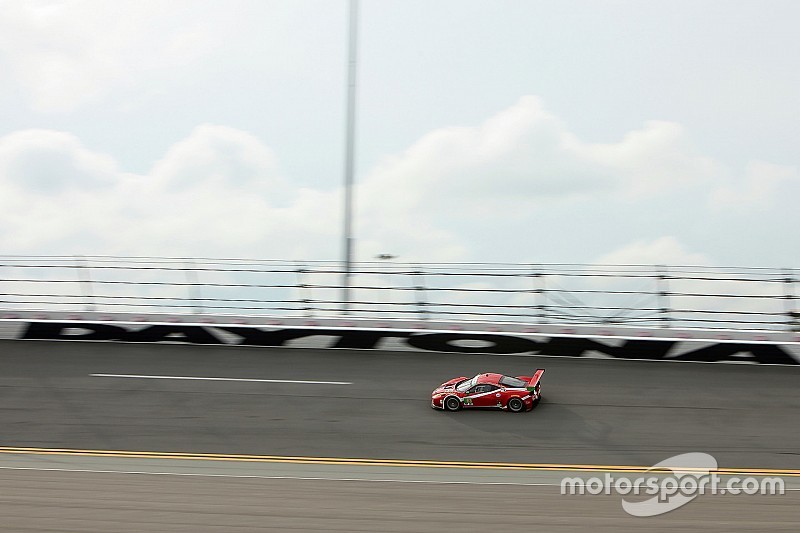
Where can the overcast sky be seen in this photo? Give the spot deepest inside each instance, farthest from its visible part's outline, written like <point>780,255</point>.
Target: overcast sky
<point>521,131</point>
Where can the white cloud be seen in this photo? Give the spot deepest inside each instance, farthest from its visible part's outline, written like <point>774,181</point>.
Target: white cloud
<point>525,155</point>
<point>761,187</point>
<point>70,52</point>
<point>665,250</point>
<point>217,192</point>
<point>654,159</point>
<point>47,162</point>
<point>451,196</point>
<point>515,165</point>
<point>523,151</point>
<point>218,156</point>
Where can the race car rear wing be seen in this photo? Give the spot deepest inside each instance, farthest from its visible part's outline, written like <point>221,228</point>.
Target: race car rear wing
<point>534,384</point>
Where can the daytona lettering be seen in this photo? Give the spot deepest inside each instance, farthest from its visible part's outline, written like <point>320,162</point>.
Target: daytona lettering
<point>501,344</point>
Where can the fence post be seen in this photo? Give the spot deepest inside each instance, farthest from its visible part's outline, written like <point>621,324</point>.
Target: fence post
<point>662,286</point>
<point>385,301</point>
<point>789,296</point>
<point>195,289</point>
<point>539,295</point>
<point>420,291</point>
<point>302,290</point>
<point>85,282</point>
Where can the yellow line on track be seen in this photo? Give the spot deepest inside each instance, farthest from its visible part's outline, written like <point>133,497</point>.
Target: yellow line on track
<point>385,462</point>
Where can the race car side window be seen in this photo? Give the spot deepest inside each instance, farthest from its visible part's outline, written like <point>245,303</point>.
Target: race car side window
<point>478,389</point>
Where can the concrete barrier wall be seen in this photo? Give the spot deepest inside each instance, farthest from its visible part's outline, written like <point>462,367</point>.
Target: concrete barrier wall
<point>619,343</point>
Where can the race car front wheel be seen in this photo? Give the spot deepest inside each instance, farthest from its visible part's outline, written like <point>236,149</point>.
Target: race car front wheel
<point>451,403</point>
<point>515,405</point>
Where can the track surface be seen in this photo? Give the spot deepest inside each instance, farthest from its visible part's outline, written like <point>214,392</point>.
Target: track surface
<point>92,502</point>
<point>594,411</point>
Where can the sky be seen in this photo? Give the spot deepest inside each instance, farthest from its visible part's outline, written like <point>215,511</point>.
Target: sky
<point>603,131</point>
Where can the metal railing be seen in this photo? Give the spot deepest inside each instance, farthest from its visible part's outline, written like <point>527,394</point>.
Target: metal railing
<point>647,296</point>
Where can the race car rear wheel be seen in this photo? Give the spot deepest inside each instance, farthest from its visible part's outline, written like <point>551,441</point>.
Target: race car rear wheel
<point>451,403</point>
<point>515,405</point>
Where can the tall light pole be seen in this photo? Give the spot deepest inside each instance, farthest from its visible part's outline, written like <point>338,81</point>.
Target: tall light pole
<point>349,155</point>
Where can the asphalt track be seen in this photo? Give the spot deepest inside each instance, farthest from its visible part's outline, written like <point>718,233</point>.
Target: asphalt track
<point>105,502</point>
<point>595,412</point>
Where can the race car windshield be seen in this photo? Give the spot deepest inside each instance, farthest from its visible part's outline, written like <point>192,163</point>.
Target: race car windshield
<point>512,382</point>
<point>464,386</point>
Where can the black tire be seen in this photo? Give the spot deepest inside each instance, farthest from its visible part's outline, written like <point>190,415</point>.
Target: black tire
<point>451,403</point>
<point>515,405</point>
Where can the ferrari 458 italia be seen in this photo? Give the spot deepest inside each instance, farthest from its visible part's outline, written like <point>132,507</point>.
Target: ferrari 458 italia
<point>515,394</point>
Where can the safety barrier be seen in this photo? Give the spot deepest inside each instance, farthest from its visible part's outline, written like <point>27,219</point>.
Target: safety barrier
<point>675,297</point>
<point>620,343</point>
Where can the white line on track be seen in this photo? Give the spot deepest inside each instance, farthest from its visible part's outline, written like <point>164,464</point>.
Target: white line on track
<point>302,478</point>
<point>299,478</point>
<point>299,381</point>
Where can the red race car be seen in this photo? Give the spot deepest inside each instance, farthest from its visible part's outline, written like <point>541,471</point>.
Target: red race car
<point>515,394</point>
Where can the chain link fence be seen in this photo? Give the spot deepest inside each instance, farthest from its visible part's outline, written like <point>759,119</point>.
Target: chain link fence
<point>646,296</point>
